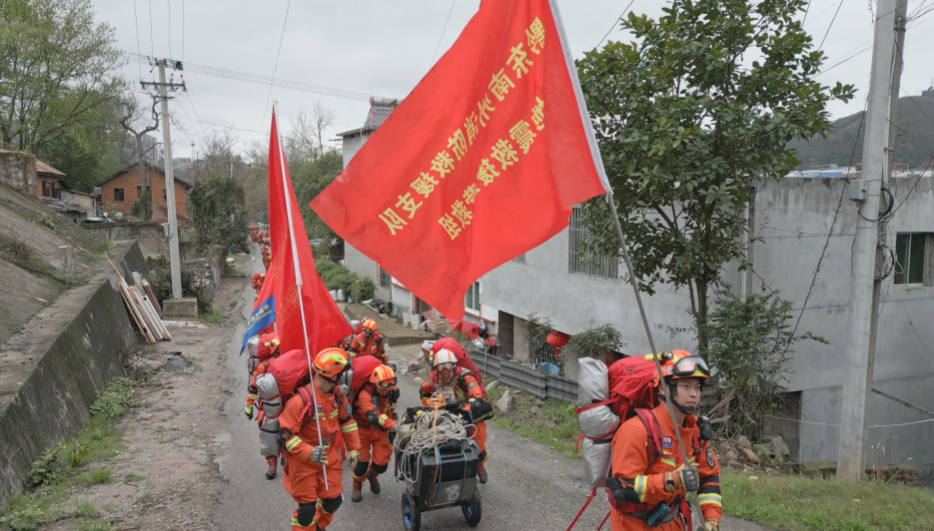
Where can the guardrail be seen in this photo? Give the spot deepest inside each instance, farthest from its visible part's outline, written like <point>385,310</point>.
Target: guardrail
<point>525,378</point>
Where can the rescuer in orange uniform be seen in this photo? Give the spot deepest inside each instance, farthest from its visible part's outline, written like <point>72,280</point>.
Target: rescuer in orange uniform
<point>374,410</point>
<point>369,342</point>
<point>643,487</point>
<point>308,450</point>
<point>266,351</point>
<point>457,384</point>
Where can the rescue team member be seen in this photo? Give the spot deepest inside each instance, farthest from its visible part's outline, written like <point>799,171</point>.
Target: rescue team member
<point>308,450</point>
<point>374,410</point>
<point>266,351</point>
<point>652,491</point>
<point>457,384</point>
<point>369,342</point>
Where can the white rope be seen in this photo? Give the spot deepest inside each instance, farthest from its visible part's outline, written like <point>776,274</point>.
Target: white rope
<point>874,426</point>
<point>447,428</point>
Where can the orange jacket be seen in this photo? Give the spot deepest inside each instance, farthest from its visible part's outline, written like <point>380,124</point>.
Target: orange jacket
<point>464,384</point>
<point>373,346</point>
<point>334,416</point>
<point>630,463</point>
<point>371,410</point>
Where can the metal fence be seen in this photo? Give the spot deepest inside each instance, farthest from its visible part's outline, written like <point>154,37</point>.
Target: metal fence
<point>525,378</point>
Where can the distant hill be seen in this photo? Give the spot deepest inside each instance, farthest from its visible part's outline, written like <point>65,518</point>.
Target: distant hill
<point>914,145</point>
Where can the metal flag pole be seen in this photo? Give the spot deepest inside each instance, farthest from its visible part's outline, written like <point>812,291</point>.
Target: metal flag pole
<point>648,335</point>
<point>298,284</point>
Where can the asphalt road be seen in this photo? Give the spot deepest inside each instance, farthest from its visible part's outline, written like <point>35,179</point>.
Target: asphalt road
<point>531,486</point>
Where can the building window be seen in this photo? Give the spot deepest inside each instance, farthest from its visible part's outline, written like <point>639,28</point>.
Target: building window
<point>164,200</point>
<point>384,279</point>
<point>118,194</point>
<point>472,299</point>
<point>519,259</point>
<point>583,262</point>
<point>911,259</point>
<point>139,192</point>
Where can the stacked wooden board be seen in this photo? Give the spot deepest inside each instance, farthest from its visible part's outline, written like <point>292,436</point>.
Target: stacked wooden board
<point>143,311</point>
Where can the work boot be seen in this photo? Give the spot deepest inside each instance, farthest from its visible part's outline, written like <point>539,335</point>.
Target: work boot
<point>357,491</point>
<point>481,473</point>
<point>271,473</point>
<point>374,481</point>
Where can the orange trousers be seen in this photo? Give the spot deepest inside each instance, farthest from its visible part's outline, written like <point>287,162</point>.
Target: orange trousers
<point>480,438</point>
<point>305,482</point>
<point>374,448</point>
<point>623,522</point>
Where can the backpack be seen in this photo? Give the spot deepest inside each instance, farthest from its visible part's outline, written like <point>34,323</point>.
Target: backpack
<point>290,371</point>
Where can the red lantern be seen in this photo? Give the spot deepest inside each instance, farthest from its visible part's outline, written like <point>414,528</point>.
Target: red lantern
<point>557,340</point>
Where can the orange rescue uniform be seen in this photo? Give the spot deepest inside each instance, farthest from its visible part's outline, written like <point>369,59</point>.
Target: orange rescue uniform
<point>465,387</point>
<point>630,465</point>
<point>373,414</point>
<point>304,479</point>
<point>369,346</point>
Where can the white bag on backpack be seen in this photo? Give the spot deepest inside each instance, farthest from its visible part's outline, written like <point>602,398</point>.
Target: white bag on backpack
<point>593,387</point>
<point>269,436</point>
<point>266,386</point>
<point>597,455</point>
<point>272,408</point>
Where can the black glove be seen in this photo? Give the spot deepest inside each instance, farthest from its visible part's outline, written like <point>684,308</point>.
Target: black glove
<point>392,436</point>
<point>452,406</point>
<point>704,429</point>
<point>621,494</point>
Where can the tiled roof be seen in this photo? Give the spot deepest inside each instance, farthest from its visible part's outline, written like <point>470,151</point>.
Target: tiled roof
<point>379,111</point>
<point>41,167</point>
<point>153,167</point>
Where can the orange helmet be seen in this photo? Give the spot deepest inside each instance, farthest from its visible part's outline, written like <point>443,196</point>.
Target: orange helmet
<point>330,362</point>
<point>383,376</point>
<point>268,345</point>
<point>369,324</point>
<point>681,364</point>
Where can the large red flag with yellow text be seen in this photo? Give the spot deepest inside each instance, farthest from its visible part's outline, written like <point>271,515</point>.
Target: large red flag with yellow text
<point>482,161</point>
<point>325,323</point>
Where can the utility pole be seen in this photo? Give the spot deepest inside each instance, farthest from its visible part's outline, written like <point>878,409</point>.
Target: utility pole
<point>174,263</point>
<point>868,257</point>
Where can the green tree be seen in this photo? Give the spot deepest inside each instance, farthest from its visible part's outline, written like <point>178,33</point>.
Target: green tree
<point>311,178</point>
<point>58,71</point>
<point>749,342</point>
<point>690,118</point>
<point>218,214</point>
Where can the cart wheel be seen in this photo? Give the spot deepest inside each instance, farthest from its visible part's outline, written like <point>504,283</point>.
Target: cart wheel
<point>411,516</point>
<point>473,510</point>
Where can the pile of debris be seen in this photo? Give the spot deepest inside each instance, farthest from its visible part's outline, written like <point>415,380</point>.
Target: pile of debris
<point>739,452</point>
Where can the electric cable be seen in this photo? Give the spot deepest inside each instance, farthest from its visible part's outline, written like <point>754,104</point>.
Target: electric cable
<point>834,19</point>
<point>169,2</point>
<point>152,45</point>
<point>614,24</point>
<point>441,38</point>
<point>136,19</point>
<point>275,67</point>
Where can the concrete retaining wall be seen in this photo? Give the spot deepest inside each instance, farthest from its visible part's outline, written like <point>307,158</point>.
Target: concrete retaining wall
<point>53,368</point>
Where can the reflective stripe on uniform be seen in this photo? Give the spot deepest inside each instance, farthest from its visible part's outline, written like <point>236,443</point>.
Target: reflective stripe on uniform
<point>382,419</point>
<point>709,499</point>
<point>254,396</point>
<point>296,524</point>
<point>333,414</point>
<point>669,462</point>
<point>351,426</point>
<point>639,485</point>
<point>292,443</point>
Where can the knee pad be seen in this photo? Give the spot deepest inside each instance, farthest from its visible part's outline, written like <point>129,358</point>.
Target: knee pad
<point>482,456</point>
<point>379,469</point>
<point>360,470</point>
<point>330,505</point>
<point>306,513</point>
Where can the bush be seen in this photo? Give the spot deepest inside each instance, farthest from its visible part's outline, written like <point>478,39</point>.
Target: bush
<point>363,289</point>
<point>161,281</point>
<point>218,214</point>
<point>596,342</point>
<point>336,277</point>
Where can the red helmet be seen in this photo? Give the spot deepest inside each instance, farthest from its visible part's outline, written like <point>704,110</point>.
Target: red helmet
<point>330,362</point>
<point>369,324</point>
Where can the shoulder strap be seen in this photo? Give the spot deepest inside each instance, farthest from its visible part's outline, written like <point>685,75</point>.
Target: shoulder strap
<point>306,399</point>
<point>648,419</point>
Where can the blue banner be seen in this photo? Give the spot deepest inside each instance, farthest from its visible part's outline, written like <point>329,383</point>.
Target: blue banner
<point>263,316</point>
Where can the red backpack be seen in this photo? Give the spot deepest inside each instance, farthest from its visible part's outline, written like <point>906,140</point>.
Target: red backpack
<point>291,371</point>
<point>463,358</point>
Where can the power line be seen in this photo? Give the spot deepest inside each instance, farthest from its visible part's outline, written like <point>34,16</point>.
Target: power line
<point>152,46</point>
<point>441,38</point>
<point>276,66</point>
<point>136,19</point>
<point>183,30</point>
<point>834,19</point>
<point>614,24</point>
<point>806,9</point>
<point>169,2</point>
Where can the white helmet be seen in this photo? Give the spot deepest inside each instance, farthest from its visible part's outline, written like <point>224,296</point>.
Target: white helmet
<point>445,357</point>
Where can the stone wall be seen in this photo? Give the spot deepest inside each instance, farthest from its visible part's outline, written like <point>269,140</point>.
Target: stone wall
<point>53,368</point>
<point>18,171</point>
<point>149,234</point>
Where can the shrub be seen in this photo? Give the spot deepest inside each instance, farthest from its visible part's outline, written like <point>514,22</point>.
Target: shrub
<point>597,341</point>
<point>363,289</point>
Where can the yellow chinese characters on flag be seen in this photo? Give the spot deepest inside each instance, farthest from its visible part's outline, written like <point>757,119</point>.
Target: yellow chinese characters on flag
<point>482,161</point>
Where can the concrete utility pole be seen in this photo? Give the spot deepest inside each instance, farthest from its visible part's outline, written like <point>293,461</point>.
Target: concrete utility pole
<point>174,263</point>
<point>868,258</point>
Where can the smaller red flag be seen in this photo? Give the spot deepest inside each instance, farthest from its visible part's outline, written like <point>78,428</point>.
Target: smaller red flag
<point>293,264</point>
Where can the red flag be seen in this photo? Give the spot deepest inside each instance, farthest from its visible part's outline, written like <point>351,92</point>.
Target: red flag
<point>293,265</point>
<point>482,161</point>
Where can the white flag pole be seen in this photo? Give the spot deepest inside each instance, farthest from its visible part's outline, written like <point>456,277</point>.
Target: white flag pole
<point>601,172</point>
<point>298,284</point>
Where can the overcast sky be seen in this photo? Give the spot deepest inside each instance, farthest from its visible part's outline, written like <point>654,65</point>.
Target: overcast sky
<point>384,47</point>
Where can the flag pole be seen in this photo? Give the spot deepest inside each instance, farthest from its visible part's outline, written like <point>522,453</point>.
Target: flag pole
<point>298,285</point>
<point>648,333</point>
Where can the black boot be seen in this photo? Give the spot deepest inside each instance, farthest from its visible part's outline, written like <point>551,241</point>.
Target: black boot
<point>271,473</point>
<point>374,481</point>
<point>481,473</point>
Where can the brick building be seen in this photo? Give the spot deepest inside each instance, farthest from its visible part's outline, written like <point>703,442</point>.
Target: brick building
<point>122,189</point>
